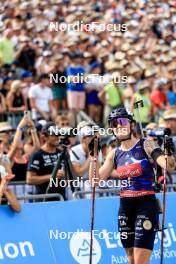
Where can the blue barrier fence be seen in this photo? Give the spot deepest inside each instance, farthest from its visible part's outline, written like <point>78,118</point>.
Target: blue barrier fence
<point>58,232</point>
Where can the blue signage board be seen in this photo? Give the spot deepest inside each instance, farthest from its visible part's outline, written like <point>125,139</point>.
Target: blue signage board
<point>59,232</point>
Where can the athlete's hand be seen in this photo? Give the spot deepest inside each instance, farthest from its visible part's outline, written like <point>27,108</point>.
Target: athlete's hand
<point>150,144</point>
<point>169,146</point>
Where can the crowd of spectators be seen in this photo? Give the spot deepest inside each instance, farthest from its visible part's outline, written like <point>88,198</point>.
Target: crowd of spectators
<point>41,54</point>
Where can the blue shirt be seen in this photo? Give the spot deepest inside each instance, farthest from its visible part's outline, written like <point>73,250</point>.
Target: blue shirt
<point>78,71</point>
<point>171,96</point>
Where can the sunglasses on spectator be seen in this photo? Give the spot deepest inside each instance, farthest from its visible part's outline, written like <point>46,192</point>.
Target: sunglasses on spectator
<point>122,121</point>
<point>65,124</point>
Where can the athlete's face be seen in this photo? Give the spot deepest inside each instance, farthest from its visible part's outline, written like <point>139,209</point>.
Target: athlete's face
<point>121,128</point>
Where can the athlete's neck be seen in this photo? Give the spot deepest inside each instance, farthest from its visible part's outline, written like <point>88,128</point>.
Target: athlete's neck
<point>128,144</point>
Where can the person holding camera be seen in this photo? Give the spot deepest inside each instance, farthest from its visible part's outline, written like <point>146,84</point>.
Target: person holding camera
<point>138,214</point>
<point>169,117</point>
<point>81,161</point>
<point>42,163</point>
<point>18,155</point>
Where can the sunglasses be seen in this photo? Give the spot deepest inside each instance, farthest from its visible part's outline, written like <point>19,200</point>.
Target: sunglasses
<point>64,124</point>
<point>122,121</point>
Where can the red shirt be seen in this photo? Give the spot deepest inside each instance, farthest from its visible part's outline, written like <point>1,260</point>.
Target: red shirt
<point>158,98</point>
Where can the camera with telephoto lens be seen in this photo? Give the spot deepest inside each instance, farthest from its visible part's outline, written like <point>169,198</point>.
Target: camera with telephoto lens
<point>64,134</point>
<point>158,134</point>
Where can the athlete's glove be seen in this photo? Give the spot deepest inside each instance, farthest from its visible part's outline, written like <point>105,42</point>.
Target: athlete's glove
<point>169,146</point>
<point>91,147</point>
<point>157,186</point>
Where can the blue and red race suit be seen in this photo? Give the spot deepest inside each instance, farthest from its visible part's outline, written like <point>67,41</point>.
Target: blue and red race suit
<point>134,167</point>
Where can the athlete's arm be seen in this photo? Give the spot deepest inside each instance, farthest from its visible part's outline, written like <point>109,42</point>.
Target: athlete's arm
<point>106,169</point>
<point>153,150</point>
<point>103,172</point>
<point>170,163</point>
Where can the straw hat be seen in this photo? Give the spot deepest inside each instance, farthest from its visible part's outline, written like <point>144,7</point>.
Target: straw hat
<point>169,114</point>
<point>5,126</point>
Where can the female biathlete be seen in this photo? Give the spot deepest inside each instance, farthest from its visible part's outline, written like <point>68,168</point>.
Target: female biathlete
<point>138,213</point>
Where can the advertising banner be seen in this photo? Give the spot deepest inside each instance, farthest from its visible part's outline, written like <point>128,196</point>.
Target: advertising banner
<point>59,232</point>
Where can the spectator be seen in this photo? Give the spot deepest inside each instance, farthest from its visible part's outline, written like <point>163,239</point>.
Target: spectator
<point>128,92</point>
<point>7,47</point>
<point>81,165</point>
<point>19,153</point>
<point>6,134</point>
<point>93,86</point>
<point>7,81</point>
<point>75,86</point>
<point>62,121</point>
<point>171,95</point>
<point>169,117</point>
<point>16,102</point>
<point>41,97</point>
<point>42,163</point>
<point>42,63</point>
<point>111,94</point>
<point>26,54</point>
<point>159,98</point>
<point>144,95</point>
<point>27,82</point>
<point>2,107</point>
<point>6,193</point>
<point>170,120</point>
<point>59,83</point>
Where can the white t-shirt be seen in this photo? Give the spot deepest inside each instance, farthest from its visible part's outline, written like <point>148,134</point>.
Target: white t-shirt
<point>78,149</point>
<point>42,96</point>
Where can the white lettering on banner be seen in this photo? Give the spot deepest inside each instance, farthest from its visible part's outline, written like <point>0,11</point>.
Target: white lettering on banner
<point>167,254</point>
<point>172,231</point>
<point>112,239</point>
<point>12,250</point>
<point>54,234</point>
<point>168,236</point>
<point>107,239</point>
<point>119,259</point>
<point>28,245</point>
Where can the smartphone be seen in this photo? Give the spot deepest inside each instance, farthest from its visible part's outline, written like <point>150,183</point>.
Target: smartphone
<point>27,114</point>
